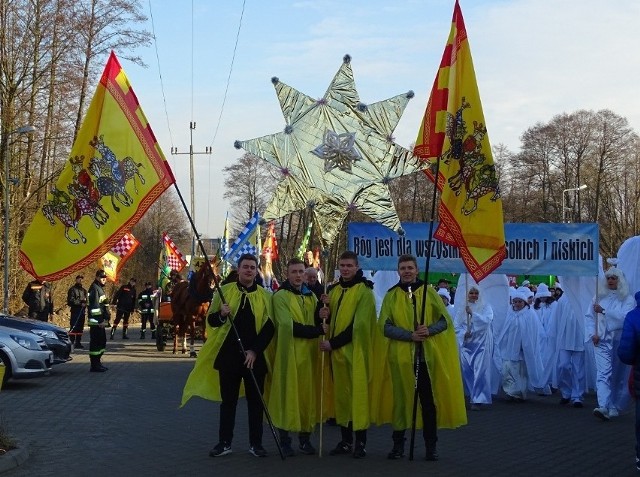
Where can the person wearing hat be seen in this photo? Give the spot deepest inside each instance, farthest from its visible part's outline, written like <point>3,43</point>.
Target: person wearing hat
<point>125,302</point>
<point>545,308</point>
<point>474,330</point>
<point>569,324</point>
<point>147,309</point>
<point>446,299</point>
<point>603,328</point>
<point>77,300</point>
<point>519,347</point>
<point>99,315</point>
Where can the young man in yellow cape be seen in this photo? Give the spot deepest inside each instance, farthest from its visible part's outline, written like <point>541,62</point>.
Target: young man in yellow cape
<point>294,399</point>
<point>352,310</point>
<point>221,368</point>
<point>439,378</point>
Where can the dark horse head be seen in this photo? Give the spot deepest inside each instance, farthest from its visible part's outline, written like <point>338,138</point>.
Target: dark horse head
<point>189,304</point>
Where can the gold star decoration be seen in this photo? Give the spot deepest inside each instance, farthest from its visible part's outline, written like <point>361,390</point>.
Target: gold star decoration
<point>335,154</point>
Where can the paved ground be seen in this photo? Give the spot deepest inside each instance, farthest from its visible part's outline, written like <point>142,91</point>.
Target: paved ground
<point>126,422</point>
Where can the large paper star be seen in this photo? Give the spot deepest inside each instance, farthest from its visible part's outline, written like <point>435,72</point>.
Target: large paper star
<point>335,154</point>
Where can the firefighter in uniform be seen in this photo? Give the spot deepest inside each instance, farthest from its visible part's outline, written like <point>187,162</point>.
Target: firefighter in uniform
<point>125,301</point>
<point>146,302</point>
<point>99,315</point>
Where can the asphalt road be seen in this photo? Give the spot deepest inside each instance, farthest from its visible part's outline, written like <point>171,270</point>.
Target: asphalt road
<point>126,422</point>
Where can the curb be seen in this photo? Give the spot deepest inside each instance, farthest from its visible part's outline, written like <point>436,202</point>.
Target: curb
<point>14,458</point>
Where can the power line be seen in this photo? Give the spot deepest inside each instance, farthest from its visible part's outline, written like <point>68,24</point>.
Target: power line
<point>164,99</point>
<point>224,100</point>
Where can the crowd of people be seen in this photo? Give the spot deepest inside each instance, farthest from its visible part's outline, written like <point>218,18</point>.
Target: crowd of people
<point>308,343</point>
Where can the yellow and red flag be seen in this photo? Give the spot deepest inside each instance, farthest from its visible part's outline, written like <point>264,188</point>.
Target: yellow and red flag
<point>173,257</point>
<point>112,261</point>
<point>453,132</point>
<point>116,170</point>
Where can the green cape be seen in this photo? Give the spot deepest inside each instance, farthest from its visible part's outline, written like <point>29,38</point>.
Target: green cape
<point>204,380</point>
<point>295,381</point>
<point>346,396</point>
<point>395,364</point>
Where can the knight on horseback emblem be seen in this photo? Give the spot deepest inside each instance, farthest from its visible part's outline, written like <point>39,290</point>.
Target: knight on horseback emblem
<point>105,176</point>
<point>475,176</point>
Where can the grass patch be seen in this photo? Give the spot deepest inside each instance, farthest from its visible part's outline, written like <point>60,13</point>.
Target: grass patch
<point>6,442</point>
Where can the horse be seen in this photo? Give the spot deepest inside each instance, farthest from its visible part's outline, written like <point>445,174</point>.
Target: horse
<point>190,302</point>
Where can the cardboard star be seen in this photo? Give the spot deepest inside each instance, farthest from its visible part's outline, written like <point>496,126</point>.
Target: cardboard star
<point>336,154</point>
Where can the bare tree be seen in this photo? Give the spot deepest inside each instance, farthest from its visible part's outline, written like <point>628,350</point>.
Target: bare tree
<point>249,184</point>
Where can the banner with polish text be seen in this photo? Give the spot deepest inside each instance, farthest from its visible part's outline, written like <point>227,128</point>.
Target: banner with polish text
<point>532,249</point>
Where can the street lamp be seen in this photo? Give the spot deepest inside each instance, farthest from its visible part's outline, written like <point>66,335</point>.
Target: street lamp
<point>20,130</point>
<point>564,208</point>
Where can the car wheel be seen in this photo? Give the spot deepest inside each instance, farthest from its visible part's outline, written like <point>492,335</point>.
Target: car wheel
<point>7,368</point>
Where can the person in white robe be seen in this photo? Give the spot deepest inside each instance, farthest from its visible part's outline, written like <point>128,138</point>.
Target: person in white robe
<point>446,299</point>
<point>519,346</point>
<point>603,327</point>
<point>570,366</point>
<point>545,307</point>
<point>474,330</point>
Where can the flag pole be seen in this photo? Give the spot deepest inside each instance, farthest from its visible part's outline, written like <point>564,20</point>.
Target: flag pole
<point>418,345</point>
<point>216,282</point>
<point>324,322</point>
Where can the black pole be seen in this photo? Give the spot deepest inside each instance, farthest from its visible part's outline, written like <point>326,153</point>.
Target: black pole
<point>419,346</point>
<point>232,321</point>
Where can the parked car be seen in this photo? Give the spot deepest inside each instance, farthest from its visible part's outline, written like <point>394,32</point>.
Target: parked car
<point>23,354</point>
<point>57,338</point>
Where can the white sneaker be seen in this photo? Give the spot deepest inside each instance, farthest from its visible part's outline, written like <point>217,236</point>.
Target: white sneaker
<point>613,412</point>
<point>602,413</point>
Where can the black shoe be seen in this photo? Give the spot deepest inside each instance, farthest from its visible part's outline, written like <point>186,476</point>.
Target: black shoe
<point>104,368</point>
<point>578,404</point>
<point>258,451</point>
<point>306,448</point>
<point>432,453</point>
<point>341,448</point>
<point>397,452</point>
<point>222,448</point>
<point>97,370</point>
<point>359,452</point>
<point>564,401</point>
<point>287,450</point>
<point>78,346</point>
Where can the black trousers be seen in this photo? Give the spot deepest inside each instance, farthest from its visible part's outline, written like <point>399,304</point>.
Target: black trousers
<point>122,315</point>
<point>230,378</point>
<point>144,318</point>
<point>347,434</point>
<point>428,407</point>
<point>97,343</point>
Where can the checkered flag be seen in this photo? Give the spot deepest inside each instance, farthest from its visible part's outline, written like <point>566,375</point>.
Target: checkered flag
<point>127,244</point>
<point>173,257</point>
<point>245,243</point>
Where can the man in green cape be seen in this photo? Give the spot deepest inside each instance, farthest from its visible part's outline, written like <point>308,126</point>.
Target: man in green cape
<point>352,310</point>
<point>439,379</point>
<point>221,368</point>
<point>295,380</point>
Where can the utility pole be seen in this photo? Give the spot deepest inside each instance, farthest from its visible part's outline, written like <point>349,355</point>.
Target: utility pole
<point>174,152</point>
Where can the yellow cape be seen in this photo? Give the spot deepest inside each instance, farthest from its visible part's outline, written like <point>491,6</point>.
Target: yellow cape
<point>295,380</point>
<point>204,381</point>
<point>347,395</point>
<point>395,364</point>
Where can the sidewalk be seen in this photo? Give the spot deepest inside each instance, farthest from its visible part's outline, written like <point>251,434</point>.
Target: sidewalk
<point>126,422</point>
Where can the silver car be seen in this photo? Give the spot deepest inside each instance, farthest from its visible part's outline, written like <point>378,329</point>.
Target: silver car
<point>24,355</point>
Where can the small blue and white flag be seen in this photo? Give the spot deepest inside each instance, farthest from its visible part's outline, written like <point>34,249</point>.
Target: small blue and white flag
<point>246,241</point>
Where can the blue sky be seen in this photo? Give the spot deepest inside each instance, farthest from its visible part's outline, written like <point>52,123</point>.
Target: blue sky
<point>533,59</point>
